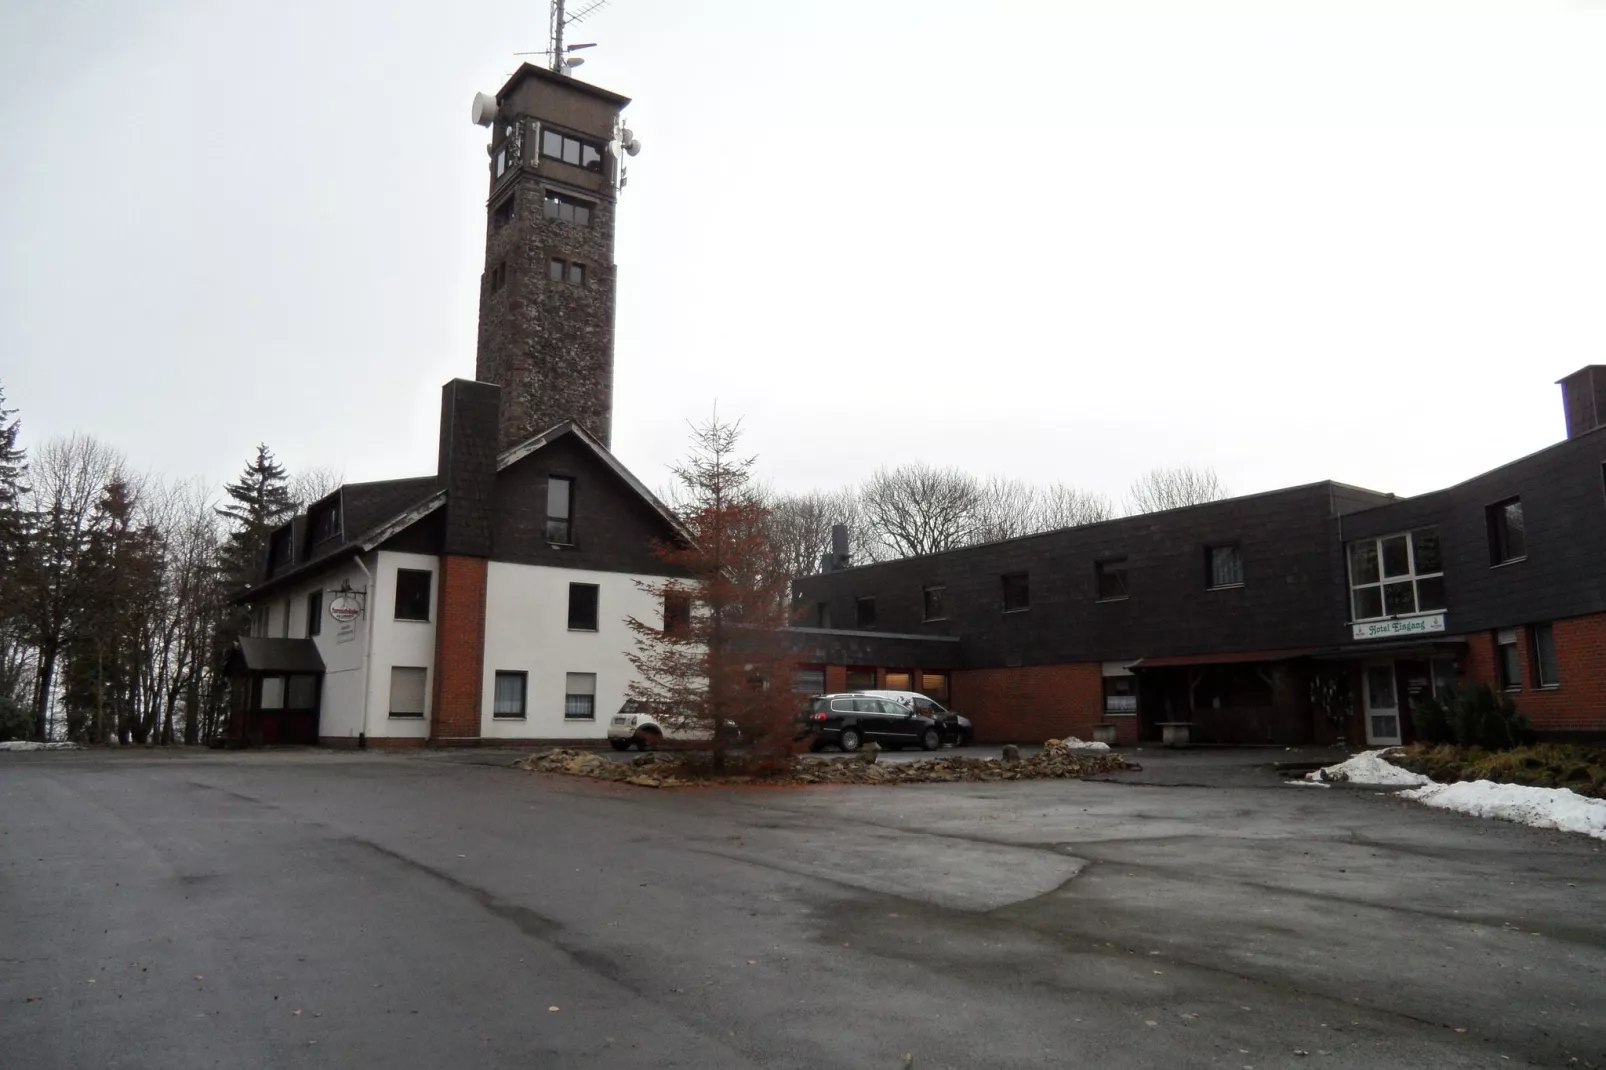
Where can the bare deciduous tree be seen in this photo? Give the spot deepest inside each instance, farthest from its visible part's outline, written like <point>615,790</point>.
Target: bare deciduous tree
<point>919,509</point>
<point>1172,488</point>
<point>311,484</point>
<point>61,514</point>
<point>801,527</point>
<point>1061,506</point>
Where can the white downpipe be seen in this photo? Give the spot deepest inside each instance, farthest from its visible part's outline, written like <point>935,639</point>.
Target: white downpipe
<point>367,643</point>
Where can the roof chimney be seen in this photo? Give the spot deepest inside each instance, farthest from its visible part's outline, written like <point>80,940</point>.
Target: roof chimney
<point>838,557</point>
<point>1583,397</point>
<point>466,469</point>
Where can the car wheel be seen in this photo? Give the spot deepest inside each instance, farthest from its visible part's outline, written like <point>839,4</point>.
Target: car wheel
<point>850,740</point>
<point>618,744</point>
<point>816,746</point>
<point>647,740</point>
<point>930,740</point>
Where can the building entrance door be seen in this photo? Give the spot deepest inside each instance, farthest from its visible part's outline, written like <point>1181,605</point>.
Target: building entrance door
<point>1382,705</point>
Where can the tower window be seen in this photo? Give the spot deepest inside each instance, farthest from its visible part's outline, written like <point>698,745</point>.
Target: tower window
<point>567,209</point>
<point>498,276</point>
<point>563,271</point>
<point>502,214</point>
<point>571,150</point>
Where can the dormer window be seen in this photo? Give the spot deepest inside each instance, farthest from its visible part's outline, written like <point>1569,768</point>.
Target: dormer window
<point>278,549</point>
<point>324,522</point>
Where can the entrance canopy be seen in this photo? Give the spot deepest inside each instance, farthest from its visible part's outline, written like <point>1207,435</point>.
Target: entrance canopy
<point>259,656</point>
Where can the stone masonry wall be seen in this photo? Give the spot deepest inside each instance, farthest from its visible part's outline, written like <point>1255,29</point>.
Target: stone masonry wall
<point>548,344</point>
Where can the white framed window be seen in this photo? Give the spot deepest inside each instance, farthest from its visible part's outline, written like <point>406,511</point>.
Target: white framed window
<point>1396,575</point>
<point>407,691</point>
<point>580,696</point>
<point>508,699</point>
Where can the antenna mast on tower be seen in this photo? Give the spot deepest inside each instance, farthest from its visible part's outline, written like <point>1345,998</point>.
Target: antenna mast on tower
<point>560,18</point>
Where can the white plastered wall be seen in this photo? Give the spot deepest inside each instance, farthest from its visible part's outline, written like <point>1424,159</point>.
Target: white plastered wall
<point>527,630</point>
<point>399,642</point>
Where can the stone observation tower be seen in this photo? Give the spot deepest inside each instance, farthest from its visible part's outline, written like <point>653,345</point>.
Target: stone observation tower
<point>547,294</point>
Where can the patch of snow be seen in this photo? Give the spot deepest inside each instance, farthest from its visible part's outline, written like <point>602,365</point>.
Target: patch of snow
<point>1072,743</point>
<point>25,744</point>
<point>1307,783</point>
<point>1368,767</point>
<point>1544,808</point>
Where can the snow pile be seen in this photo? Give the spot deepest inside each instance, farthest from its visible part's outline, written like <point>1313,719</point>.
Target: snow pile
<point>23,744</point>
<point>1368,767</point>
<point>1544,808</point>
<point>1072,743</point>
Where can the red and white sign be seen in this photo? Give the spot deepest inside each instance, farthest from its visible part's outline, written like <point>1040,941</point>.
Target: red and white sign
<point>345,607</point>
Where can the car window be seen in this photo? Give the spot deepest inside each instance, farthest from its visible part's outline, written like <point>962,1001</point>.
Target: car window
<point>842,705</point>
<point>896,709</point>
<point>867,705</point>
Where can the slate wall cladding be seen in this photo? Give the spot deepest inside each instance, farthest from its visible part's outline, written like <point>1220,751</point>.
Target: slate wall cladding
<point>1289,597</point>
<point>1564,514</point>
<point>614,530</point>
<point>818,647</point>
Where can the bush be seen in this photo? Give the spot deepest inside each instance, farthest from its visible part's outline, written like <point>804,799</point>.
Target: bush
<point>1546,765</point>
<point>1471,716</point>
<point>16,722</point>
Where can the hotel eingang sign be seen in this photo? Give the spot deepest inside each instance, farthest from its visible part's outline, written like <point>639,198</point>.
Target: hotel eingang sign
<point>1399,627</point>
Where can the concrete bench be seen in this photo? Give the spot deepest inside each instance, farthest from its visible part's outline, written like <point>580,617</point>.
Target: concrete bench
<point>1176,733</point>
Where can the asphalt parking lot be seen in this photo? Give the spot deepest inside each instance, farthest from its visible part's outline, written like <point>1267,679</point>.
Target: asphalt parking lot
<point>342,910</point>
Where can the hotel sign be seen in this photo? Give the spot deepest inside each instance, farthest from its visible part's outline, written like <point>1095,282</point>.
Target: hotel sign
<point>1399,627</point>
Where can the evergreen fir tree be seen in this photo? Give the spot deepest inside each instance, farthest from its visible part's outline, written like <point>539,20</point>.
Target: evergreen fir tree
<point>13,473</point>
<point>259,502</point>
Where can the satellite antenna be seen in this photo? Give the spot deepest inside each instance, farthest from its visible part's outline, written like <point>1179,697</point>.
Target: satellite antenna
<point>558,53</point>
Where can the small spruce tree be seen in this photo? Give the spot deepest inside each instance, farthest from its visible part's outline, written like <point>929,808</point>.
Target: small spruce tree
<point>717,663</point>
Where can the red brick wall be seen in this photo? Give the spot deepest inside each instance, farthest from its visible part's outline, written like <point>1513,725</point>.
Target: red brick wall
<point>1033,703</point>
<point>836,679</point>
<point>459,649</point>
<point>1578,703</point>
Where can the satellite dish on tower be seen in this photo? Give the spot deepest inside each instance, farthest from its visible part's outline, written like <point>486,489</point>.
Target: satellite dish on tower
<point>484,111</point>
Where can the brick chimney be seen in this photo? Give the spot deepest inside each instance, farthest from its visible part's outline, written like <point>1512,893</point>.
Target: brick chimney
<point>466,470</point>
<point>1583,397</point>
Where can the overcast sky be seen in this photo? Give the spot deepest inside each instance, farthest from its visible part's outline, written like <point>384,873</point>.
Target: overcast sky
<point>1059,240</point>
